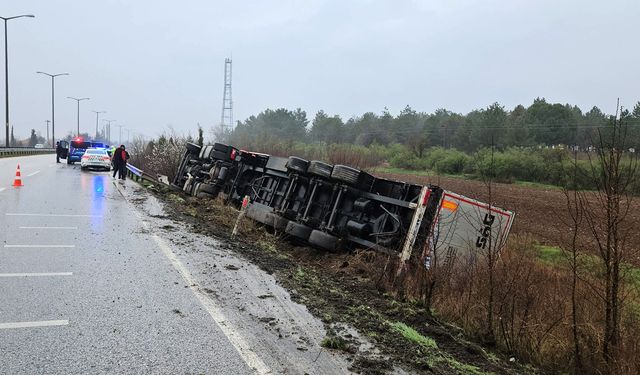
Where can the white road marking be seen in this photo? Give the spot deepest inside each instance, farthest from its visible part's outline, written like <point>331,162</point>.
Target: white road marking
<point>36,274</point>
<point>33,173</point>
<point>238,342</point>
<point>2,189</point>
<point>40,246</point>
<point>42,323</point>
<point>52,215</point>
<point>48,227</point>
<point>245,351</point>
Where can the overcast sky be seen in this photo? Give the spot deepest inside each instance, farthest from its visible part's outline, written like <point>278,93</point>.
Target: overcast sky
<point>154,64</point>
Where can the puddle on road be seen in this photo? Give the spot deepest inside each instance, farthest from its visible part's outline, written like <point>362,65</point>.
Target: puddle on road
<point>282,332</point>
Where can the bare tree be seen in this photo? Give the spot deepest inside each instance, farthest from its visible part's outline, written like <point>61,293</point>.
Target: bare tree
<point>220,133</point>
<point>608,223</point>
<point>575,210</point>
<point>200,136</point>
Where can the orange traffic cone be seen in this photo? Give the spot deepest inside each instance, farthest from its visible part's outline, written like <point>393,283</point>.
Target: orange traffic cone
<point>18,181</point>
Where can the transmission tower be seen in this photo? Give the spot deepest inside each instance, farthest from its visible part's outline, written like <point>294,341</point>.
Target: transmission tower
<point>227,103</point>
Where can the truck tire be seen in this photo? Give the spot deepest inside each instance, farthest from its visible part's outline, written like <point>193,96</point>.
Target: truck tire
<point>298,230</point>
<point>207,189</point>
<point>324,241</point>
<point>206,152</point>
<point>219,155</point>
<point>205,195</point>
<point>222,148</point>
<point>193,148</point>
<point>258,214</point>
<point>320,169</point>
<point>277,222</point>
<point>297,164</point>
<point>352,176</point>
<point>198,188</point>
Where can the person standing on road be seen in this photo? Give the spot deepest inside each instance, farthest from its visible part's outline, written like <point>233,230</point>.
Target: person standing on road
<point>120,157</point>
<point>58,151</point>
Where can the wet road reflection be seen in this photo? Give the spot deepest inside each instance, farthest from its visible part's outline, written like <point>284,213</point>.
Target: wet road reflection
<point>97,200</point>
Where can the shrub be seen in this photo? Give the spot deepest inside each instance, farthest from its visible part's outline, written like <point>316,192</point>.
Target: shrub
<point>408,160</point>
<point>447,161</point>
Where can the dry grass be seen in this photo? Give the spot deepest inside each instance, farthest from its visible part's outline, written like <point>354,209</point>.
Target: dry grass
<point>532,311</point>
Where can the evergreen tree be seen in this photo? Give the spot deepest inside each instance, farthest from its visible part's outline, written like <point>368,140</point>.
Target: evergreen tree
<point>33,139</point>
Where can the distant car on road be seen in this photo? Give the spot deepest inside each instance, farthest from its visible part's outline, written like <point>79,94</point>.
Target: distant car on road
<point>38,145</point>
<point>95,158</point>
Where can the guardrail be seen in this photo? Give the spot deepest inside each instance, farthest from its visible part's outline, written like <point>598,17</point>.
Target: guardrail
<point>21,151</point>
<point>138,174</point>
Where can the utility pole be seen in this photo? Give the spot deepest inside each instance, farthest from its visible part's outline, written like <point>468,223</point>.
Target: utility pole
<point>6,73</point>
<point>444,137</point>
<point>47,121</point>
<point>226,120</point>
<point>97,115</point>
<point>78,100</point>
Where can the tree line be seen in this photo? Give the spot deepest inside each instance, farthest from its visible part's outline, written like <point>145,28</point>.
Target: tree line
<point>542,123</point>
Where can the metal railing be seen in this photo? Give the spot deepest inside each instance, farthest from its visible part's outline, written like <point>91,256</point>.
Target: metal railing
<point>20,151</point>
<point>139,175</point>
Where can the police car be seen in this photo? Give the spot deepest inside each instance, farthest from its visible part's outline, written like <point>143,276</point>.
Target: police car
<point>95,158</point>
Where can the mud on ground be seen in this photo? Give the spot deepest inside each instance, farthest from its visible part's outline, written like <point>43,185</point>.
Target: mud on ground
<point>344,291</point>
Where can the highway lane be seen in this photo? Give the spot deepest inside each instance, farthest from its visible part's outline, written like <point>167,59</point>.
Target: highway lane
<point>84,287</point>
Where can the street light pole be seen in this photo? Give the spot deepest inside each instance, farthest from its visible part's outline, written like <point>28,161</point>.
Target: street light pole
<point>97,115</point>
<point>47,121</point>
<point>78,100</point>
<point>120,133</point>
<point>53,105</point>
<point>6,73</point>
<point>109,130</point>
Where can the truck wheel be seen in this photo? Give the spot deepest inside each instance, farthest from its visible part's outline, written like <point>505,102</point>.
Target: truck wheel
<point>219,155</point>
<point>352,176</point>
<point>320,169</point>
<point>207,188</point>
<point>258,214</point>
<point>222,148</point>
<point>205,195</point>
<point>277,222</point>
<point>324,240</point>
<point>297,164</point>
<point>298,230</point>
<point>196,189</point>
<point>193,148</point>
<point>206,152</point>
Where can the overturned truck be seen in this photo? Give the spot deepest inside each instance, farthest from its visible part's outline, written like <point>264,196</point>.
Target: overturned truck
<point>336,207</point>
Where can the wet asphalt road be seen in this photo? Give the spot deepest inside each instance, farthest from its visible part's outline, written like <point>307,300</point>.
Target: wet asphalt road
<point>84,289</point>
